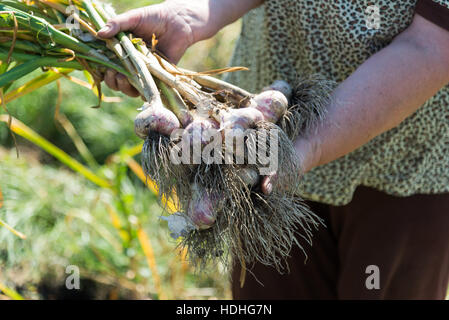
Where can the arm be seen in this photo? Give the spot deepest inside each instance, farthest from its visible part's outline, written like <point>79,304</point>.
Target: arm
<point>222,13</point>
<point>387,88</point>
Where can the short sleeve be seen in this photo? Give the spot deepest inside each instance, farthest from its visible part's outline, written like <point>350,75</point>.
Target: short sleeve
<point>436,11</point>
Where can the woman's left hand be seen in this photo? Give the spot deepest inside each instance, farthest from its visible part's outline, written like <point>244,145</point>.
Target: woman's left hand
<point>308,155</point>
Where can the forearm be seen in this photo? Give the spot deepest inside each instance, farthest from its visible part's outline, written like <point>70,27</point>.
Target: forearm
<point>228,11</point>
<point>390,86</point>
<point>224,12</point>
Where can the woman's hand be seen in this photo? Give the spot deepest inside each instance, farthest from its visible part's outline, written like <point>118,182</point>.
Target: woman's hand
<point>309,154</point>
<point>306,148</point>
<point>177,24</point>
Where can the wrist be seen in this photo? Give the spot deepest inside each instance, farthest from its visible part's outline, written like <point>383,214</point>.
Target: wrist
<point>308,150</point>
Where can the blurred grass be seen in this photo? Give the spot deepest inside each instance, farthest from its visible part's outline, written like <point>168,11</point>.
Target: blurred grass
<point>113,235</point>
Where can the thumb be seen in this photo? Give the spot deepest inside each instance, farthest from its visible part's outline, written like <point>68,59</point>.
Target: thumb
<point>128,21</point>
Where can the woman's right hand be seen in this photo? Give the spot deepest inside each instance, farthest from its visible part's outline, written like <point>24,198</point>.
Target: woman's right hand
<point>177,25</point>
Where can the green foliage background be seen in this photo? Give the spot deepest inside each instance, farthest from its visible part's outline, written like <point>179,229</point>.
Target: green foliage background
<point>67,220</point>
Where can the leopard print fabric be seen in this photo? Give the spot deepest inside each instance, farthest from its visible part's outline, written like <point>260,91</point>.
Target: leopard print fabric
<point>284,38</point>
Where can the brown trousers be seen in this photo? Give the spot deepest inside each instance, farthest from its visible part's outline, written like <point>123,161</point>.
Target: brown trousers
<point>406,239</point>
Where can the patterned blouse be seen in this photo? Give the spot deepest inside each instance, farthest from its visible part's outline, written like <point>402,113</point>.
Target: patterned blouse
<point>283,38</point>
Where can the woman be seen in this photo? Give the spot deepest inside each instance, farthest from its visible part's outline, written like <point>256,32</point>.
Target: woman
<point>378,166</point>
